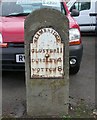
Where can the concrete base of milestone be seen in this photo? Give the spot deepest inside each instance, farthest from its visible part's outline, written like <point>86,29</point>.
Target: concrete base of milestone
<point>47,98</point>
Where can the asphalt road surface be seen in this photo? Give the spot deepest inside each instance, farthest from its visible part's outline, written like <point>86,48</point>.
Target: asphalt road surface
<point>82,85</point>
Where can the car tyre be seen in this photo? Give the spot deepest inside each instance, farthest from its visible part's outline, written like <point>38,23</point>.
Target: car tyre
<point>74,70</point>
<point>96,31</point>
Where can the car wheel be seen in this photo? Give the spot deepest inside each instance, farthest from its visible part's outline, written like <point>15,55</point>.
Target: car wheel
<point>96,31</point>
<point>74,70</point>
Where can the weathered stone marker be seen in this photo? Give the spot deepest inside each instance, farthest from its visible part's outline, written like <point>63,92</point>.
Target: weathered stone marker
<point>47,63</point>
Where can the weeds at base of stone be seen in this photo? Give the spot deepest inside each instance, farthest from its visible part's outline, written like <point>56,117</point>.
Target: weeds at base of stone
<point>78,111</point>
<point>81,111</point>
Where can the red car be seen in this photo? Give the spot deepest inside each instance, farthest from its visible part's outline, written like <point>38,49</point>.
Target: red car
<point>12,34</point>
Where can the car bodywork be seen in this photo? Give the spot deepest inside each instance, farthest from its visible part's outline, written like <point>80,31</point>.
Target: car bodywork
<point>86,22</point>
<point>12,34</point>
